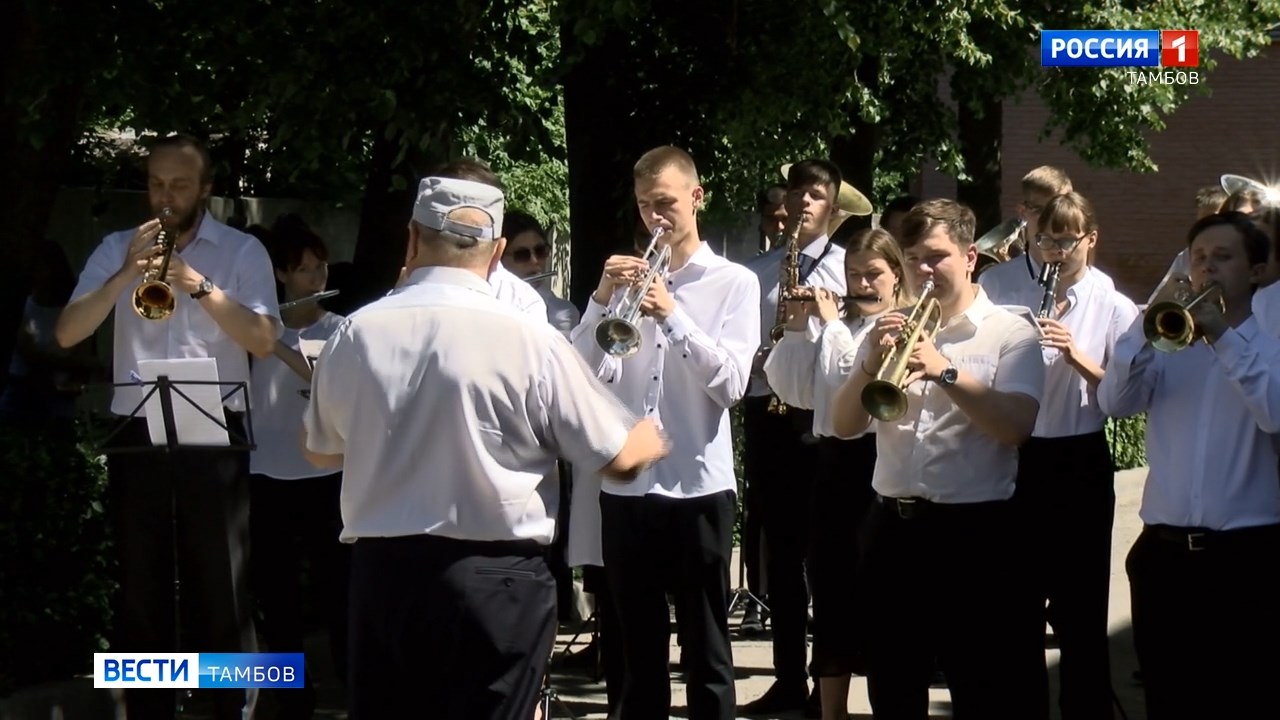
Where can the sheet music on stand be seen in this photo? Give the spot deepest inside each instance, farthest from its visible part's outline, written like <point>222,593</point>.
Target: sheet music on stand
<point>198,421</point>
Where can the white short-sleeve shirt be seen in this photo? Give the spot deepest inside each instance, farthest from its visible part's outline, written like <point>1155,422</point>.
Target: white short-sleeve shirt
<point>934,451</point>
<point>278,400</point>
<point>451,408</point>
<point>236,262</point>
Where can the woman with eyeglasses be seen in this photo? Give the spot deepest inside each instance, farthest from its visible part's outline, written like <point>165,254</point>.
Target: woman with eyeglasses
<point>527,256</point>
<point>1064,490</point>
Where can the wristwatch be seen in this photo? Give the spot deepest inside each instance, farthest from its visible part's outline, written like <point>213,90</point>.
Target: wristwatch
<point>949,376</point>
<point>206,287</point>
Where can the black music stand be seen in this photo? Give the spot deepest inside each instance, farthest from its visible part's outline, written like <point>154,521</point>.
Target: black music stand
<point>742,592</point>
<point>167,389</point>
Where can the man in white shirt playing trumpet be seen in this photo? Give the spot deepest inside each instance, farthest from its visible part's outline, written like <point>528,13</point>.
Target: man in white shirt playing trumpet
<point>950,410</point>
<point>1202,574</point>
<point>688,362</point>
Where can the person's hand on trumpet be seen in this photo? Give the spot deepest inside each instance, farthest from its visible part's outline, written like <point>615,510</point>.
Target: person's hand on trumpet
<point>658,303</point>
<point>619,270</point>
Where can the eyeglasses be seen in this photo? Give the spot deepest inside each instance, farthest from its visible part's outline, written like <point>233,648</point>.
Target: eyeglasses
<point>1066,244</point>
<point>1033,209</point>
<point>525,254</point>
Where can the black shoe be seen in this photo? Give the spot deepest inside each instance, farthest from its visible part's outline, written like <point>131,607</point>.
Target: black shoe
<point>751,624</point>
<point>813,707</point>
<point>781,697</point>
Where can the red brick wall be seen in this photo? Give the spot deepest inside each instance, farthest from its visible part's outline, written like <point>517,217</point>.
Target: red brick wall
<point>1143,219</point>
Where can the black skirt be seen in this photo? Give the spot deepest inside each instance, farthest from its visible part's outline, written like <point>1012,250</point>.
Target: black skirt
<point>841,496</point>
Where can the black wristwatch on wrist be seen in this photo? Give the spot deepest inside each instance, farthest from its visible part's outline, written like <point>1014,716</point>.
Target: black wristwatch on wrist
<point>206,287</point>
<point>949,376</point>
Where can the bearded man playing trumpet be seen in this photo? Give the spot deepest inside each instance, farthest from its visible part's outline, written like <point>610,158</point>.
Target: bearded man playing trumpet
<point>954,388</point>
<point>1202,574</point>
<point>685,365</point>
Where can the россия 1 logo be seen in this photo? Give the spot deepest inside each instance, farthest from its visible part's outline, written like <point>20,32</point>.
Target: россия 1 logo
<point>1174,50</point>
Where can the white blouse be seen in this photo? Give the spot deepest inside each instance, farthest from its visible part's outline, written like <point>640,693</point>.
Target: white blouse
<point>807,373</point>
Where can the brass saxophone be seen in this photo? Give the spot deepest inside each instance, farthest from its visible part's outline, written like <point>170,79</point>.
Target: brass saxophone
<point>789,289</point>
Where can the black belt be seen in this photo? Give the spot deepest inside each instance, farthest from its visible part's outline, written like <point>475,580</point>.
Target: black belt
<point>914,508</point>
<point>1195,539</point>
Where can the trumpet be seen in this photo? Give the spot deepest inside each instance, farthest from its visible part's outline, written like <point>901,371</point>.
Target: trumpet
<point>884,398</point>
<point>618,334</point>
<point>154,298</point>
<point>1049,281</point>
<point>1168,323</point>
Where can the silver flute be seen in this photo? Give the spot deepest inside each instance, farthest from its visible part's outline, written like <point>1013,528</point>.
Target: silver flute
<point>310,298</point>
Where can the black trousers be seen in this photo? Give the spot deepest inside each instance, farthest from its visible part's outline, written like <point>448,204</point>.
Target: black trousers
<point>613,659</point>
<point>556,554</point>
<point>448,629</point>
<point>1066,501</point>
<point>653,545</point>
<point>939,584</point>
<point>1205,620</point>
<point>294,525</point>
<point>210,490</point>
<point>782,469</point>
<point>841,498</point>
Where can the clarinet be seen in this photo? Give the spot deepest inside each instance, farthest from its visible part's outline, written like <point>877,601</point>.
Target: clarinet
<point>1049,280</point>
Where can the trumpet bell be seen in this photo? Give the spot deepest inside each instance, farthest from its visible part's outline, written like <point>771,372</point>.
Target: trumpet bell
<point>154,300</point>
<point>617,337</point>
<point>884,401</point>
<point>1168,326</point>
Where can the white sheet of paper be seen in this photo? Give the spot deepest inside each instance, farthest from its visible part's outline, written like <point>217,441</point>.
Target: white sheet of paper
<point>192,427</point>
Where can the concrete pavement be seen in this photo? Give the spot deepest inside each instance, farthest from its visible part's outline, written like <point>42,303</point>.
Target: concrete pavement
<point>585,698</point>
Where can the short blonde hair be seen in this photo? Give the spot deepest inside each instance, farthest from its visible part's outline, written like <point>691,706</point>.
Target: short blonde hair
<point>652,163</point>
<point>1046,180</point>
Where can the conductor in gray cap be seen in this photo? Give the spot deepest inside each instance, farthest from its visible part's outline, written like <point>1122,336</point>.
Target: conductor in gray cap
<point>446,409</point>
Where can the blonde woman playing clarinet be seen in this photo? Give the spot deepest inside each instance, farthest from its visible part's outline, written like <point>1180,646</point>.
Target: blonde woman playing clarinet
<point>807,374</point>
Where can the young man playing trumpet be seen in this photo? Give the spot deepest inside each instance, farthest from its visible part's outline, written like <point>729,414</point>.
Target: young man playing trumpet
<point>780,465</point>
<point>1065,490</point>
<point>936,554</point>
<point>1202,574</point>
<point>672,527</point>
<point>806,373</point>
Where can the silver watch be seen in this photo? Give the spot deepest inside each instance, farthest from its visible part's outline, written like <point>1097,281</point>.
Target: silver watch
<point>206,287</point>
<point>949,376</point>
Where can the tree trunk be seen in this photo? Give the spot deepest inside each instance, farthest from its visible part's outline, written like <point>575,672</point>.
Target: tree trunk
<point>980,134</point>
<point>601,149</point>
<point>855,153</point>
<point>384,219</point>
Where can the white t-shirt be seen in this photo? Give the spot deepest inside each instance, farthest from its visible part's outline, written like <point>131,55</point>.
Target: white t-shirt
<point>278,406</point>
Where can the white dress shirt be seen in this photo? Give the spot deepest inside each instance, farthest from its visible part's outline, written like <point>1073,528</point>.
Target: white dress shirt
<point>1213,412</point>
<point>236,262</point>
<point>278,406</point>
<point>1266,308</point>
<point>934,451</point>
<point>520,294</point>
<point>687,373</point>
<point>828,273</point>
<point>451,408</point>
<point>1096,315</point>
<point>807,373</point>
